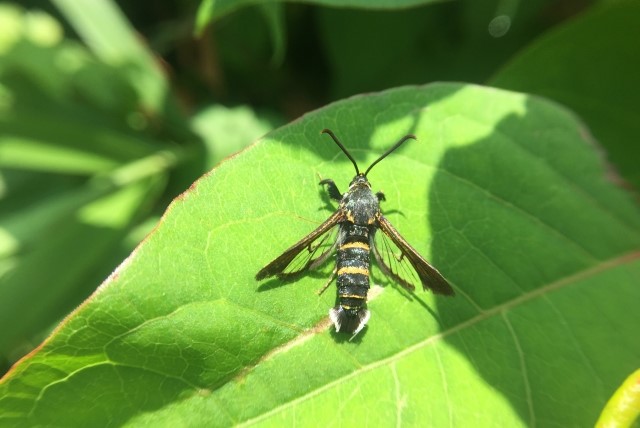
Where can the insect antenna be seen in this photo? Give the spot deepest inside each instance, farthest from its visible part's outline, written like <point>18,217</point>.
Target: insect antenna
<point>344,149</point>
<point>395,146</point>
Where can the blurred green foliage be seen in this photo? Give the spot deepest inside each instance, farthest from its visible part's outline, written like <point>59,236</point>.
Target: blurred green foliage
<point>109,111</point>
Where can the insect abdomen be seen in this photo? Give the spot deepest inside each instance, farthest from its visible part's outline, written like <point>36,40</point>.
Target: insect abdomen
<point>353,279</point>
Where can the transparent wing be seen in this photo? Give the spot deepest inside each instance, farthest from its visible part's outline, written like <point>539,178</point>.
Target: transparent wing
<point>312,255</point>
<point>402,263</point>
<point>308,253</point>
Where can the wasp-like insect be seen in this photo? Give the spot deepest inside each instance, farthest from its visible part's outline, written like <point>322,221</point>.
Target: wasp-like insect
<point>352,231</point>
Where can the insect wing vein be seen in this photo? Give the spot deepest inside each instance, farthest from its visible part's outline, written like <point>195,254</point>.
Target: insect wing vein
<point>310,251</point>
<point>400,261</point>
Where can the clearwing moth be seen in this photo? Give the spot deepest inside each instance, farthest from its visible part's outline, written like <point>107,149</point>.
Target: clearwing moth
<point>352,233</point>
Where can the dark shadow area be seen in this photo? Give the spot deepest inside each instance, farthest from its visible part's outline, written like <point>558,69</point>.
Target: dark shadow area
<point>319,273</point>
<point>330,205</point>
<point>394,211</point>
<point>505,212</point>
<point>471,247</point>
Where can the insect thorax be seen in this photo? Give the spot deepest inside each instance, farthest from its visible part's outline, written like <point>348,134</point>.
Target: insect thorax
<point>361,205</point>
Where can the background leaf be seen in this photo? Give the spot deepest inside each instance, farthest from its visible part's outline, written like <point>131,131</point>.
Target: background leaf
<point>623,408</point>
<point>81,165</point>
<point>370,50</point>
<point>503,192</point>
<point>226,131</point>
<point>107,32</point>
<point>590,65</point>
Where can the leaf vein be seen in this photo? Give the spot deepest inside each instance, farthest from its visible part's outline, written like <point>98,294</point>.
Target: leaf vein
<point>523,368</point>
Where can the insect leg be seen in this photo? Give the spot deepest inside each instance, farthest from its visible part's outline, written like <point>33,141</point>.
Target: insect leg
<point>334,193</point>
<point>324,287</point>
<point>380,196</point>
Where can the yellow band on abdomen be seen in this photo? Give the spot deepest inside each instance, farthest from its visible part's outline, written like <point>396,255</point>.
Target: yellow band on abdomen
<point>353,269</point>
<point>355,244</point>
<point>352,296</point>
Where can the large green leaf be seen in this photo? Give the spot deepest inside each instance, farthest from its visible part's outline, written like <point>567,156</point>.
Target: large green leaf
<point>591,65</point>
<point>503,192</point>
